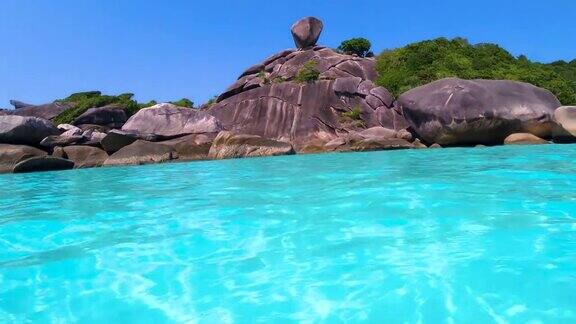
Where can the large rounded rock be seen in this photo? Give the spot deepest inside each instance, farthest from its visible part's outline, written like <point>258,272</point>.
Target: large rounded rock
<point>117,139</point>
<point>306,32</point>
<point>108,116</point>
<point>142,152</point>
<point>45,163</point>
<point>85,156</point>
<point>10,155</point>
<point>69,137</point>
<point>25,130</point>
<point>228,145</point>
<point>169,121</point>
<point>461,112</point>
<point>565,117</point>
<point>192,147</point>
<point>524,139</point>
<point>46,111</point>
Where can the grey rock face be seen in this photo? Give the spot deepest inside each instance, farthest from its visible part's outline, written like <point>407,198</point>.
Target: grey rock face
<point>192,147</point>
<point>109,116</point>
<point>456,112</point>
<point>19,104</point>
<point>69,137</point>
<point>373,139</point>
<point>228,145</point>
<point>25,130</point>
<point>45,163</point>
<point>117,139</point>
<point>47,111</point>
<point>169,121</point>
<point>85,156</point>
<point>142,152</point>
<point>278,108</point>
<point>306,32</point>
<point>92,137</point>
<point>66,127</point>
<point>10,155</point>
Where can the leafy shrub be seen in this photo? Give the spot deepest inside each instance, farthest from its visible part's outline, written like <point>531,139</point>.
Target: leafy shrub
<point>278,80</point>
<point>147,104</point>
<point>184,102</point>
<point>83,101</point>
<point>416,64</point>
<point>353,117</point>
<point>354,114</point>
<point>357,46</point>
<point>211,101</point>
<point>308,73</point>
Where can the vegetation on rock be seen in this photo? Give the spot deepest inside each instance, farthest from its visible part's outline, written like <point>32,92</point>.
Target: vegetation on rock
<point>83,101</point>
<point>356,46</point>
<point>184,102</point>
<point>420,63</point>
<point>352,117</point>
<point>308,73</point>
<point>211,101</point>
<point>354,114</point>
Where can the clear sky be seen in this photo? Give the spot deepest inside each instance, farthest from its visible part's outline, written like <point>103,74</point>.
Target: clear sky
<point>170,49</point>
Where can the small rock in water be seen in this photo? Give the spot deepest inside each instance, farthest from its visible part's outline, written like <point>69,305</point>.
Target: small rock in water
<point>524,138</point>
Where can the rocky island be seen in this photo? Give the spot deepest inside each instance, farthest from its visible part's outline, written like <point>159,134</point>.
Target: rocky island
<point>310,99</point>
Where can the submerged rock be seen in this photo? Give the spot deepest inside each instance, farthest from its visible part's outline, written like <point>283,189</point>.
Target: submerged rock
<point>10,155</point>
<point>228,145</point>
<point>373,139</point>
<point>168,121</point>
<point>25,130</point>
<point>43,163</point>
<point>461,112</point>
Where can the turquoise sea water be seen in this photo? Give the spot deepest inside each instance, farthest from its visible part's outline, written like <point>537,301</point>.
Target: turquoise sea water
<point>479,235</point>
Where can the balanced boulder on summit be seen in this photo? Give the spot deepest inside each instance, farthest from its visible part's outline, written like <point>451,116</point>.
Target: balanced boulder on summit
<point>306,32</point>
<point>310,95</point>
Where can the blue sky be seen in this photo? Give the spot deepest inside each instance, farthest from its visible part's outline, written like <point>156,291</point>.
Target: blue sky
<point>170,49</point>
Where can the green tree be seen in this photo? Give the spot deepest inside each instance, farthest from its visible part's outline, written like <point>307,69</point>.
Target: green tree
<point>358,46</point>
<point>416,64</point>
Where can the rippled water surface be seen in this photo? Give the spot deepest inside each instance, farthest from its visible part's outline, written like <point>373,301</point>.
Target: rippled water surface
<point>480,235</point>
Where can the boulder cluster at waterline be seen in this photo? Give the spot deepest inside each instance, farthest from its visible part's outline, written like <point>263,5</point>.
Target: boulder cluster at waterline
<point>310,99</point>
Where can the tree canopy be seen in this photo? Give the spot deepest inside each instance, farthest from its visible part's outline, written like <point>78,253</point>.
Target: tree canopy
<point>82,101</point>
<point>419,63</point>
<point>357,46</point>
